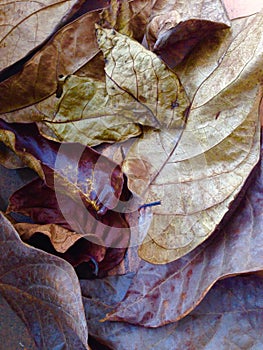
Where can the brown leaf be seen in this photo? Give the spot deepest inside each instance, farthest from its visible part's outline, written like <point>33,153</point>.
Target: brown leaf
<point>177,27</point>
<point>230,317</point>
<point>195,69</point>
<point>198,175</point>
<point>127,17</point>
<point>66,52</point>
<point>25,25</point>
<point>45,207</point>
<point>142,74</point>
<point>61,238</point>
<point>139,90</point>
<point>9,159</point>
<point>13,330</point>
<point>69,168</point>
<point>165,293</point>
<point>43,291</point>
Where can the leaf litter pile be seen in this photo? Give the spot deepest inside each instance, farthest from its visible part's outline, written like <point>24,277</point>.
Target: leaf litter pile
<point>140,122</point>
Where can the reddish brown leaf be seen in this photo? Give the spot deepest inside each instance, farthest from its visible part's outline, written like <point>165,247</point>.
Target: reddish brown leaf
<point>110,230</point>
<point>69,168</point>
<point>43,291</point>
<point>163,294</point>
<point>176,43</point>
<point>9,159</point>
<point>66,52</point>
<point>13,330</point>
<point>230,317</point>
<point>177,27</point>
<point>127,17</point>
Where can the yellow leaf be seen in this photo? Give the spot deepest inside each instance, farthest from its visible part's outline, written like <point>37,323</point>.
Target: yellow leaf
<point>140,91</point>
<point>199,175</point>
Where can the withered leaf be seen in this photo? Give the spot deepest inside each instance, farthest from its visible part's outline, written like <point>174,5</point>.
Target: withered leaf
<point>66,52</point>
<point>127,17</point>
<point>228,318</point>
<point>177,27</point>
<point>43,291</point>
<point>142,74</point>
<point>139,90</point>
<point>9,159</point>
<point>165,293</point>
<point>198,176</point>
<point>12,329</point>
<point>45,207</point>
<point>61,238</point>
<point>69,168</point>
<point>25,25</point>
<point>85,113</point>
<point>195,69</point>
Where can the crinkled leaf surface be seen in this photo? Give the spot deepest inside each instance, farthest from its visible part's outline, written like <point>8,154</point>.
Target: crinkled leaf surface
<point>143,75</point>
<point>26,24</point>
<point>9,159</point>
<point>228,318</point>
<point>198,176</point>
<point>43,291</point>
<point>208,55</point>
<point>57,240</point>
<point>165,293</point>
<point>177,27</point>
<point>66,52</point>
<point>139,90</point>
<point>30,93</point>
<point>127,17</point>
<point>73,169</point>
<point>110,230</point>
<point>85,113</point>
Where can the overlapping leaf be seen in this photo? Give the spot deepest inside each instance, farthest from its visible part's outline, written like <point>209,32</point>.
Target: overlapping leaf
<point>43,291</point>
<point>228,318</point>
<point>25,25</point>
<point>183,283</point>
<point>139,90</point>
<point>66,52</point>
<point>93,176</point>
<point>9,159</point>
<point>198,177</point>
<point>104,238</point>
<point>177,27</point>
<point>127,17</point>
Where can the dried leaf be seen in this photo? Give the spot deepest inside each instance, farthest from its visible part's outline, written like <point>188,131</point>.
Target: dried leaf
<point>61,238</point>
<point>198,176</point>
<point>69,168</point>
<point>92,111</point>
<point>13,330</point>
<point>9,159</point>
<point>177,27</point>
<point>207,56</point>
<point>85,113</point>
<point>127,17</point>
<point>183,284</point>
<point>141,74</point>
<point>25,25</point>
<point>66,52</point>
<point>43,291</point>
<point>228,318</point>
<point>45,207</point>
